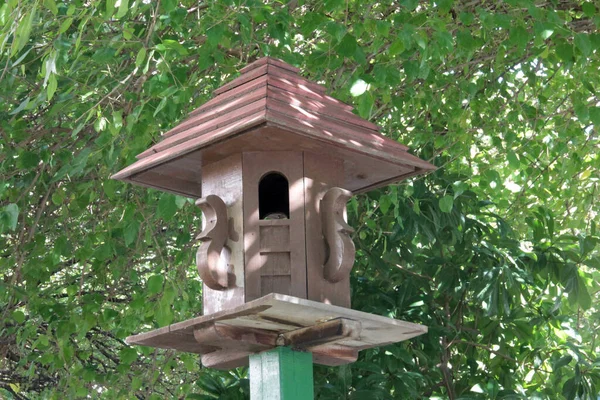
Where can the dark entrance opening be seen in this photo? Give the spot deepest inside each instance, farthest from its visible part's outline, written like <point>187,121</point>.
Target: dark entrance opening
<point>273,197</point>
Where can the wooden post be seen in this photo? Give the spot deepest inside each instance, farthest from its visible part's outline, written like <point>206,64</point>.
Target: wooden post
<point>281,374</point>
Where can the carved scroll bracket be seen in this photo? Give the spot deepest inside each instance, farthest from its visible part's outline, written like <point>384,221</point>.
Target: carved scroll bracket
<point>212,257</point>
<point>336,231</point>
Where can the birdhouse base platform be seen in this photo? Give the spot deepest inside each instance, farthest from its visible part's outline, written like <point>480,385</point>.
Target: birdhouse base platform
<point>334,335</point>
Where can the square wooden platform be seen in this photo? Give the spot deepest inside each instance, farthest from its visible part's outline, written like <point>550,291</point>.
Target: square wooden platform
<point>334,335</point>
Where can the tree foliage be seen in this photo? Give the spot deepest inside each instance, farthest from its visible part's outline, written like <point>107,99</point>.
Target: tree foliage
<point>496,252</point>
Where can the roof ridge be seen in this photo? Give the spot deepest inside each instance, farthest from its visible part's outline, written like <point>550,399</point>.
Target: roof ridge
<point>271,61</point>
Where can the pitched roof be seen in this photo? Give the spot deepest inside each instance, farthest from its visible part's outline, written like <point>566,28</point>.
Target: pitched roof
<point>269,107</point>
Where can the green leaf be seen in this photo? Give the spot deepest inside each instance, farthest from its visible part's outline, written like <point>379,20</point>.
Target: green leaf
<point>155,283</point>
<point>563,361</point>
<point>141,56</point>
<point>18,316</point>
<point>594,113</point>
<point>128,355</point>
<point>23,31</point>
<point>10,216</point>
<point>65,25</point>
<point>51,5</point>
<point>582,41</point>
<point>397,47</point>
<point>21,106</point>
<point>565,52</point>
<point>589,9</point>
<point>446,203</point>
<point>131,232</point>
<point>384,203</point>
<point>347,46</point>
<point>110,8</point>
<point>123,8</point>
<point>513,160</point>
<point>160,106</point>
<point>51,88</point>
<point>168,5</point>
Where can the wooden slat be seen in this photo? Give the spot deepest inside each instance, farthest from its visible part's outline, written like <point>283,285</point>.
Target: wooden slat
<point>288,77</point>
<point>233,104</point>
<point>194,131</point>
<point>296,80</point>
<point>184,148</point>
<point>297,89</point>
<point>320,174</point>
<point>319,107</point>
<point>342,130</point>
<point>229,336</point>
<point>224,179</point>
<point>255,166</point>
<point>251,75</point>
<point>231,95</point>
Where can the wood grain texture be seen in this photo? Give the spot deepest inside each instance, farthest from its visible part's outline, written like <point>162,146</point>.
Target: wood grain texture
<point>213,256</point>
<point>269,60</point>
<point>227,337</point>
<point>224,179</point>
<point>320,175</point>
<point>271,93</point>
<point>267,261</point>
<point>336,231</point>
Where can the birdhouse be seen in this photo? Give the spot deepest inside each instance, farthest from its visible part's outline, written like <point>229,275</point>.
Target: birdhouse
<point>272,161</point>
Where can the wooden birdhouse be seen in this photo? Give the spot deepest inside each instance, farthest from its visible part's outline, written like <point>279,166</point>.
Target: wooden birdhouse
<point>272,161</point>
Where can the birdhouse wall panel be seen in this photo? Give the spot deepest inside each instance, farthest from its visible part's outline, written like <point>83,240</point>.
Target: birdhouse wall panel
<point>320,175</point>
<point>260,264</point>
<point>281,284</point>
<point>274,238</point>
<point>276,264</point>
<point>224,179</point>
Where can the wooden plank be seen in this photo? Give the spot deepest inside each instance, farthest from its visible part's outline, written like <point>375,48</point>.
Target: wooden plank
<point>244,78</point>
<point>190,146</point>
<point>168,183</point>
<point>231,95</point>
<point>321,174</point>
<point>282,83</point>
<point>326,108</point>
<point>387,149</point>
<point>194,131</point>
<point>255,166</point>
<point>225,359</point>
<point>347,132</point>
<point>231,105</point>
<point>361,170</point>
<point>224,179</point>
<point>334,355</point>
<point>295,80</point>
<point>230,335</point>
<point>327,332</point>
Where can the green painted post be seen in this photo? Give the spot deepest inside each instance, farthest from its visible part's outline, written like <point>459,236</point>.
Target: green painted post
<point>281,374</point>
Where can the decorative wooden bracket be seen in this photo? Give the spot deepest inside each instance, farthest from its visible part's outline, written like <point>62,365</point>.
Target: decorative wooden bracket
<point>336,231</point>
<point>212,257</point>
